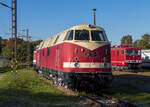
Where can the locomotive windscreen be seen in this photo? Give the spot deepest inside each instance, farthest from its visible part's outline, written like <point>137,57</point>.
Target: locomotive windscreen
<point>97,36</point>
<point>82,35</point>
<point>69,35</point>
<point>132,52</point>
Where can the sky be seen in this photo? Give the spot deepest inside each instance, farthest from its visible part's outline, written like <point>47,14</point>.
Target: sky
<point>45,18</point>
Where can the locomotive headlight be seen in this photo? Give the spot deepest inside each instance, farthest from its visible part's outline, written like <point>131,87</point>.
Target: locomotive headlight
<point>76,59</point>
<point>77,65</point>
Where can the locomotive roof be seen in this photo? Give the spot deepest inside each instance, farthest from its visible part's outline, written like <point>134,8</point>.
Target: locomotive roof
<point>86,26</point>
<point>59,38</point>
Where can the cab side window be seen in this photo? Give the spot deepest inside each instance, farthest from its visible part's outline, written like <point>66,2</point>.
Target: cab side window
<point>43,52</point>
<point>122,52</point>
<point>47,51</point>
<point>69,35</point>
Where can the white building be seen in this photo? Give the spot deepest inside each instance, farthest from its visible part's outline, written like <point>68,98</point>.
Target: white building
<point>145,58</point>
<point>2,61</point>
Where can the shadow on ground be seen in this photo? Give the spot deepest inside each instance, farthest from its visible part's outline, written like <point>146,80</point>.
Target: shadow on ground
<point>4,69</point>
<point>13,97</point>
<point>132,87</point>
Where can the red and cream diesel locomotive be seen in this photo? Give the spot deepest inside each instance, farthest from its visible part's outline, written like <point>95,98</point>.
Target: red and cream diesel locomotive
<point>125,57</point>
<point>79,56</point>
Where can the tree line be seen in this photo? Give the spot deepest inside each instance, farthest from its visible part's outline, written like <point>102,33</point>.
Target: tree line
<point>143,43</point>
<point>23,55</point>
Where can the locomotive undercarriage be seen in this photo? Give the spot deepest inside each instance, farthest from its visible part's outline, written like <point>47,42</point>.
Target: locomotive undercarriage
<point>130,67</point>
<point>78,81</point>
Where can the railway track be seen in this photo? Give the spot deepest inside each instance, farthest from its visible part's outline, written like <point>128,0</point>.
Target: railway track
<point>108,101</point>
<point>98,100</point>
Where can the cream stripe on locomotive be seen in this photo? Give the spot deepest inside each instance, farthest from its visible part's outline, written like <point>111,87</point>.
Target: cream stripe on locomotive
<point>127,61</point>
<point>86,65</point>
<point>34,60</point>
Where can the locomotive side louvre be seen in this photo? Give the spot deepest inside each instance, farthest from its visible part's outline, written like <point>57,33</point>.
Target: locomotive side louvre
<point>74,54</point>
<point>125,58</point>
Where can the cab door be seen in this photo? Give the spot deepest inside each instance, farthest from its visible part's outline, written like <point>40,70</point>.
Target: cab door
<point>57,58</point>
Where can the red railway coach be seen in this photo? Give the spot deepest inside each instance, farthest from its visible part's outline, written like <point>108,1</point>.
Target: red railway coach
<point>125,57</point>
<point>76,57</point>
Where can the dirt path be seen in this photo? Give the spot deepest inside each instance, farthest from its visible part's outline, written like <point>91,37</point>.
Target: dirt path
<point>139,73</point>
<point>126,80</point>
<point>1,76</point>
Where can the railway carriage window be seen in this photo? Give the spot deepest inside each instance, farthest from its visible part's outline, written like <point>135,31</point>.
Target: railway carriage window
<point>47,51</point>
<point>81,35</point>
<point>97,36</point>
<point>69,35</point>
<point>136,52</point>
<point>43,52</point>
<point>122,52</point>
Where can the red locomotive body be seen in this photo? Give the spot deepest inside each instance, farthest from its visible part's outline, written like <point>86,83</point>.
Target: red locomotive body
<point>79,55</point>
<point>125,57</point>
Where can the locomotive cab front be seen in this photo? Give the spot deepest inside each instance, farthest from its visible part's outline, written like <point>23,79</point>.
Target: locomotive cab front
<point>89,50</point>
<point>133,58</point>
<point>77,56</point>
<point>87,55</point>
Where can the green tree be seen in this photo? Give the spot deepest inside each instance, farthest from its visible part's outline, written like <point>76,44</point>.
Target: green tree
<point>146,41</point>
<point>3,43</point>
<point>33,47</point>
<point>22,49</point>
<point>7,50</point>
<point>126,39</point>
<point>136,43</point>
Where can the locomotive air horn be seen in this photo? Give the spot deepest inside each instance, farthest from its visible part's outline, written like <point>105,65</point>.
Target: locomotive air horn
<point>94,16</point>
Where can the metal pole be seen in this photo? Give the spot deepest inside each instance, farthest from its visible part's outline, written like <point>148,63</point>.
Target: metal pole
<point>28,48</point>
<point>15,21</point>
<point>14,27</point>
<point>94,16</point>
<point>14,30</point>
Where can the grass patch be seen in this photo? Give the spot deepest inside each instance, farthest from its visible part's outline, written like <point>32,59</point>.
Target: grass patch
<point>25,86</point>
<point>131,86</point>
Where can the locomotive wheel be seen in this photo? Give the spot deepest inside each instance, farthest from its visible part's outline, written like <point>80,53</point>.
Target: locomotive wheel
<point>60,81</point>
<point>39,72</point>
<point>66,86</point>
<point>54,79</point>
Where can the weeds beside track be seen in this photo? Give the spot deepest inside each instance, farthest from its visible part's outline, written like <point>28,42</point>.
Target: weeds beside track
<point>98,100</point>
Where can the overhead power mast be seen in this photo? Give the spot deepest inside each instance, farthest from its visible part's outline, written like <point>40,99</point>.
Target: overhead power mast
<point>13,8</point>
<point>14,26</point>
